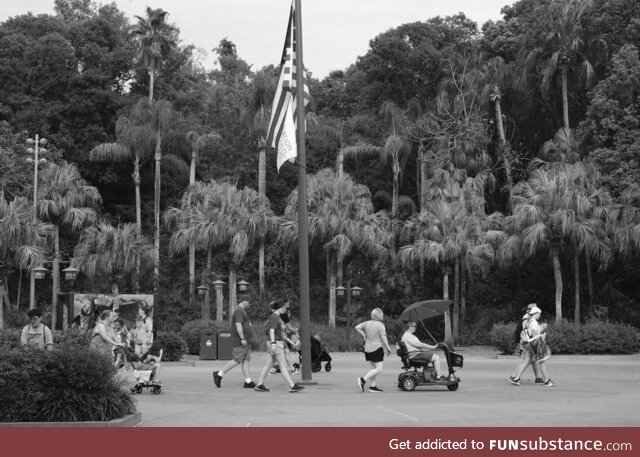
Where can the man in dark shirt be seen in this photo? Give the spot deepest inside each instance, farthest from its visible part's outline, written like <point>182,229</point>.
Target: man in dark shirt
<point>275,347</point>
<point>241,341</point>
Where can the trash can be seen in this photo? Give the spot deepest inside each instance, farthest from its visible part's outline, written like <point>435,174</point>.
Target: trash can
<point>225,348</point>
<point>209,345</point>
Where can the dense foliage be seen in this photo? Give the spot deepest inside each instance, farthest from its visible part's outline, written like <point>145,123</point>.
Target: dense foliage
<point>496,165</point>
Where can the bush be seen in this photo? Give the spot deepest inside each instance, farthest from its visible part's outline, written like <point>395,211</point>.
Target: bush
<point>10,338</point>
<point>191,333</point>
<point>563,338</point>
<point>174,347</point>
<point>74,384</point>
<point>502,337</point>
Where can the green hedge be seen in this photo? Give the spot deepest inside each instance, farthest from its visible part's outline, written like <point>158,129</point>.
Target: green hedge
<point>592,337</point>
<point>173,345</point>
<point>74,384</point>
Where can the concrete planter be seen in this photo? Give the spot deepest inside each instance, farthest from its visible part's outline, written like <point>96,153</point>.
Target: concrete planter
<point>127,421</point>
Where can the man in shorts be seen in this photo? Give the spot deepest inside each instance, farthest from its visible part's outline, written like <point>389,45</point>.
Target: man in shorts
<point>421,351</point>
<point>241,341</point>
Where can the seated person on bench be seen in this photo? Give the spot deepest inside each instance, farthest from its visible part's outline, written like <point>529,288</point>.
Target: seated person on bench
<point>419,351</point>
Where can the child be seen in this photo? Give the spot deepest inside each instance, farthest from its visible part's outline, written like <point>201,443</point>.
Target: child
<point>122,336</point>
<point>145,369</point>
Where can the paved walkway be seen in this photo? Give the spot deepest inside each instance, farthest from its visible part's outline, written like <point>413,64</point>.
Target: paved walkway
<point>590,391</point>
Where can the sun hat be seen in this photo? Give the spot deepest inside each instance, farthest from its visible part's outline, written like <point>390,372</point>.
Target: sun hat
<point>535,310</point>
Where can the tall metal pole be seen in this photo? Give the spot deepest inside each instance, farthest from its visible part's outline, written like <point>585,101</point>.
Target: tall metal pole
<point>303,235</point>
<point>32,280</point>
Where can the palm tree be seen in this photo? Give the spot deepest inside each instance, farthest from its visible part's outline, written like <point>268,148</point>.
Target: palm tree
<point>65,199</point>
<point>218,215</point>
<point>341,220</point>
<point>111,253</point>
<point>156,40</point>
<point>258,112</point>
<point>198,143</point>
<point>544,217</point>
<point>22,239</point>
<point>564,46</point>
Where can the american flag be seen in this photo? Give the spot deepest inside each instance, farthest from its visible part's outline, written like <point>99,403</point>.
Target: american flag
<point>282,133</point>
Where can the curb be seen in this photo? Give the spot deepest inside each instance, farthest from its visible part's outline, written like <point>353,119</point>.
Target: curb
<point>127,421</point>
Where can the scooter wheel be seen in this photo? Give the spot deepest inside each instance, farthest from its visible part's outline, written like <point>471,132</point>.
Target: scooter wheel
<point>453,387</point>
<point>327,367</point>
<point>409,383</point>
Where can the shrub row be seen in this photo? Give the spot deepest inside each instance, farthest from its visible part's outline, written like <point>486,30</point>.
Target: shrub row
<point>592,337</point>
<point>74,384</point>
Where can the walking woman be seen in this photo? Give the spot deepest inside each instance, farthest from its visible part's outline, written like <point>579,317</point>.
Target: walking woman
<point>535,348</point>
<point>144,330</point>
<point>375,342</point>
<point>103,339</point>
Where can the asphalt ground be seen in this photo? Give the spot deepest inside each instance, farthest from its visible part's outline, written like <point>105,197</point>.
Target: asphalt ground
<point>590,391</point>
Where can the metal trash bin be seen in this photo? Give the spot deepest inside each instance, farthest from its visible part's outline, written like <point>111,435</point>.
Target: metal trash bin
<point>225,347</point>
<point>209,345</point>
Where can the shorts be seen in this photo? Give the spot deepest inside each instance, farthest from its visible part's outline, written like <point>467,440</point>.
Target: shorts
<point>275,349</point>
<point>375,356</point>
<point>241,353</point>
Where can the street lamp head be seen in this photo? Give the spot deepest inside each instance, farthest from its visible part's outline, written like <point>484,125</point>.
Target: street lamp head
<point>42,151</point>
<point>40,272</point>
<point>43,141</point>
<point>30,150</point>
<point>340,290</point>
<point>242,285</point>
<point>355,291</point>
<point>202,289</point>
<point>31,141</point>
<point>70,273</point>
<point>218,284</point>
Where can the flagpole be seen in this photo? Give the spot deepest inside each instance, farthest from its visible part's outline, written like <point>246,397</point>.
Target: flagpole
<point>303,230</point>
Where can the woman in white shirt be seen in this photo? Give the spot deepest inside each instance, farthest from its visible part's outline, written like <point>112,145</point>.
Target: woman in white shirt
<point>375,341</point>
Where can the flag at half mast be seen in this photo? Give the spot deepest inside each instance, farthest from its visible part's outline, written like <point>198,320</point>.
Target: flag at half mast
<point>282,126</point>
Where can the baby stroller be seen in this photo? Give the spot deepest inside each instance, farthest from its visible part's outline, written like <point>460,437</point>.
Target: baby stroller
<point>319,354</point>
<point>146,375</point>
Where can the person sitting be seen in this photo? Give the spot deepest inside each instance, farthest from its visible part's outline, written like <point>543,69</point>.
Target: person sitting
<point>419,351</point>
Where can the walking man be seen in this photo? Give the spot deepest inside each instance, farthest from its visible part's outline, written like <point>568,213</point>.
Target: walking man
<point>275,347</point>
<point>241,341</point>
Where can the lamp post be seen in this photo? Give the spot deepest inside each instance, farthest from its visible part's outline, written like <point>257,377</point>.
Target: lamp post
<point>218,286</point>
<point>36,147</point>
<point>70,274</point>
<point>350,292</point>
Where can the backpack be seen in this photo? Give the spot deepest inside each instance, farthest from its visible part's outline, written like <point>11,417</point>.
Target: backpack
<point>522,333</point>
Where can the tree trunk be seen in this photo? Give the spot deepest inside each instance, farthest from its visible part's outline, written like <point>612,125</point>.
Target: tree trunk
<point>456,300</point>
<point>424,179</point>
<point>262,190</point>
<point>206,315</point>
<point>576,289</point>
<point>463,296</point>
<point>156,231</point>
<point>152,74</point>
<point>192,245</point>
<point>332,289</point>
<point>136,181</point>
<point>565,97</point>
<point>56,276</point>
<point>506,156</point>
<point>592,300</point>
<point>557,276</point>
<point>115,291</point>
<point>394,211</point>
<point>447,316</point>
<point>233,301</point>
<point>340,164</point>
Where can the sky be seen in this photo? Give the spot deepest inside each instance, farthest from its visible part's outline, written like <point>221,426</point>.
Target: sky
<point>335,32</point>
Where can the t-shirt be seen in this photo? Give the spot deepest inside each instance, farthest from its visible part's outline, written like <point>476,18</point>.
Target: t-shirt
<point>413,344</point>
<point>240,316</point>
<point>37,338</point>
<point>374,331</point>
<point>274,322</point>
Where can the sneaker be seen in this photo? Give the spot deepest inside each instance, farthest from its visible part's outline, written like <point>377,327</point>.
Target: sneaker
<point>374,389</point>
<point>249,385</point>
<point>217,378</point>
<point>549,383</point>
<point>441,378</point>
<point>272,371</point>
<point>261,388</point>
<point>361,383</point>
<point>539,381</point>
<point>514,381</point>
<point>296,388</point>
<point>295,371</point>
